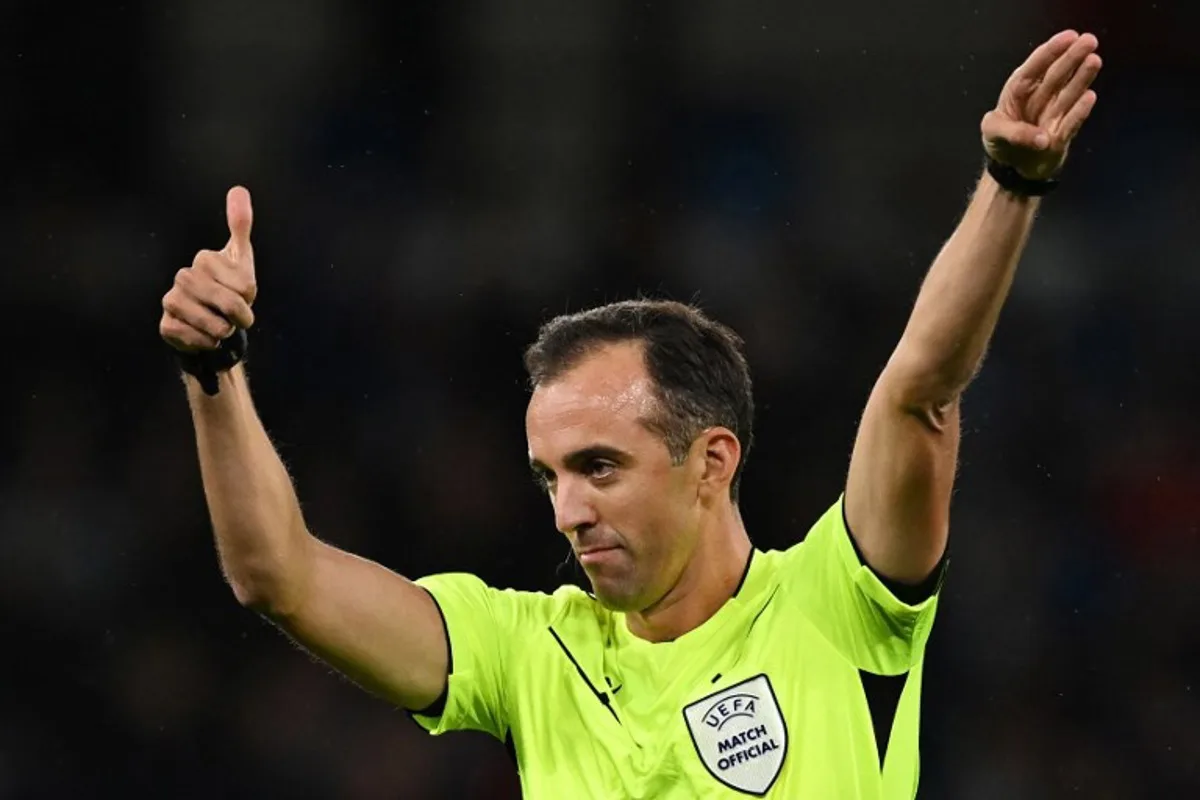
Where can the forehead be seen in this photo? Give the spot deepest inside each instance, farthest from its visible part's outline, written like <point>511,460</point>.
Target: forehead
<point>604,397</point>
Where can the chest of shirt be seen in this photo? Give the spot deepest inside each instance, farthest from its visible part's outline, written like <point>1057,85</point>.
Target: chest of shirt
<point>758,709</point>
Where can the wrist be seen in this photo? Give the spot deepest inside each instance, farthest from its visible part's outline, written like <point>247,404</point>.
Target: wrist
<point>207,366</point>
<point>1008,178</point>
<point>225,379</point>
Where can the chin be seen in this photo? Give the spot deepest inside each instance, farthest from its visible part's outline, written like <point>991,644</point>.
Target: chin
<point>616,598</point>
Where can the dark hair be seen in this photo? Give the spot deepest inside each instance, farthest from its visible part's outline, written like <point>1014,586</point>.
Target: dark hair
<point>699,371</point>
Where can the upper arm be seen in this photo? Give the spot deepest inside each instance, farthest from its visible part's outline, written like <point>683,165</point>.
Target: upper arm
<point>901,478</point>
<point>381,630</point>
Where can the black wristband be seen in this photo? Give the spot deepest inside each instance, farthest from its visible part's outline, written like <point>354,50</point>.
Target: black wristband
<point>204,365</point>
<point>1013,181</point>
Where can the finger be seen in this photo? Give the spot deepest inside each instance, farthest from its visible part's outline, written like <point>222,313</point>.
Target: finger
<point>199,284</point>
<point>235,276</point>
<point>182,336</point>
<point>239,215</point>
<point>1080,82</point>
<point>183,303</point>
<point>1040,59</point>
<point>998,127</point>
<point>1074,119</point>
<point>229,304</point>
<point>1059,73</point>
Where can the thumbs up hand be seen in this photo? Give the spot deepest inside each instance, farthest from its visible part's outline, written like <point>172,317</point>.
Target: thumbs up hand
<point>211,299</point>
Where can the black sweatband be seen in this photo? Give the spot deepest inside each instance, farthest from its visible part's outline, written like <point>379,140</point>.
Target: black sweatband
<point>1013,181</point>
<point>204,365</point>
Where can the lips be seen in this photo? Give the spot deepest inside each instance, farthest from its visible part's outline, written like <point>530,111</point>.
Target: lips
<point>592,555</point>
<point>597,548</point>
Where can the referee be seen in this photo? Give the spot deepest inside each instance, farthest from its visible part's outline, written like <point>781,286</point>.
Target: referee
<point>698,666</point>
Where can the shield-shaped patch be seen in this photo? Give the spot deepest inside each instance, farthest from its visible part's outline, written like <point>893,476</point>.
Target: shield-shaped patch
<point>740,734</point>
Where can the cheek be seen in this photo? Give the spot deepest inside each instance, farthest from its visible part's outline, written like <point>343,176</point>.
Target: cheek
<point>654,516</point>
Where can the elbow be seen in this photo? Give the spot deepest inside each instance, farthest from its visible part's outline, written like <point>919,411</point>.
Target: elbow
<point>924,388</point>
<point>272,599</point>
<point>250,599</point>
<point>253,589</point>
<point>251,596</point>
<point>937,417</point>
<point>271,587</point>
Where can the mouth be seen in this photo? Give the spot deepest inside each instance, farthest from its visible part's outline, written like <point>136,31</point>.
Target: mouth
<point>596,555</point>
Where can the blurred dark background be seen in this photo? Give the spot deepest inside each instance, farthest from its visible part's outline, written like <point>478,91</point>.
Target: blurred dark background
<point>431,181</point>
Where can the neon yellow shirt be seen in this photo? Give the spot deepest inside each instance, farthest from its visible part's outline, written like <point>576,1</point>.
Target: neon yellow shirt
<point>764,699</point>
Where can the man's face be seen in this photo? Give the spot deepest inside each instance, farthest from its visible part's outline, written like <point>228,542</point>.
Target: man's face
<point>631,516</point>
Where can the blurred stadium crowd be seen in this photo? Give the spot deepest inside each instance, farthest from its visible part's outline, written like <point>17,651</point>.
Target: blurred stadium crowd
<point>433,180</point>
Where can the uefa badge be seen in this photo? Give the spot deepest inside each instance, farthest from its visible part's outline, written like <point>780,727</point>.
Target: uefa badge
<point>740,735</point>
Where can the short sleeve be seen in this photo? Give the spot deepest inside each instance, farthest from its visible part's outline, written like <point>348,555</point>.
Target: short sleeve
<point>483,625</point>
<point>849,604</point>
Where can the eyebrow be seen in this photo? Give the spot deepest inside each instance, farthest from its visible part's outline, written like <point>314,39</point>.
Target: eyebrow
<point>578,459</point>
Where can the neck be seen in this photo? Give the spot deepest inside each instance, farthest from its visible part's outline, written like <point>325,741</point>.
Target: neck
<point>711,576</point>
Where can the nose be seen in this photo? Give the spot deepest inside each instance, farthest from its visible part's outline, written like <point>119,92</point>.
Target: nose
<point>573,508</point>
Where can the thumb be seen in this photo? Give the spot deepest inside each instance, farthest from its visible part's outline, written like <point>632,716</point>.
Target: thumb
<point>239,215</point>
<point>999,128</point>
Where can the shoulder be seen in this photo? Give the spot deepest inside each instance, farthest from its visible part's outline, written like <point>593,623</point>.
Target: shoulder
<point>827,539</point>
<point>486,604</point>
<point>569,603</point>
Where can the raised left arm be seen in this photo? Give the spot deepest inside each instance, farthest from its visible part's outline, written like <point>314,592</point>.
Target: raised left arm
<point>897,501</point>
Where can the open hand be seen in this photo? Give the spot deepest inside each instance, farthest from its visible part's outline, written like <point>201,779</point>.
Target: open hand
<point>1043,105</point>
<point>212,298</point>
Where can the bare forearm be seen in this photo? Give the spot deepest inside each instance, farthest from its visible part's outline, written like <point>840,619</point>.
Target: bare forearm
<point>260,532</point>
<point>960,300</point>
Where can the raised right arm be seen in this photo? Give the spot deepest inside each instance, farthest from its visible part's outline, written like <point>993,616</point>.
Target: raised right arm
<point>380,629</point>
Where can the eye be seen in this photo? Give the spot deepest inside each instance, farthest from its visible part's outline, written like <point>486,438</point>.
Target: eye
<point>600,469</point>
<point>543,479</point>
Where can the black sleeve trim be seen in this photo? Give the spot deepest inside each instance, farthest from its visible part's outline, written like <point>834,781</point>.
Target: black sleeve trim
<point>909,595</point>
<point>438,706</point>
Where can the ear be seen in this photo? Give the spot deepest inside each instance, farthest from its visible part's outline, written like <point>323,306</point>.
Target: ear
<point>719,452</point>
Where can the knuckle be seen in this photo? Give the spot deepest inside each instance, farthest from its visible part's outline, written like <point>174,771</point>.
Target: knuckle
<point>209,262</point>
<point>219,319</point>
<point>171,302</point>
<point>173,331</point>
<point>242,286</point>
<point>234,309</point>
<point>196,340</point>
<point>220,300</point>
